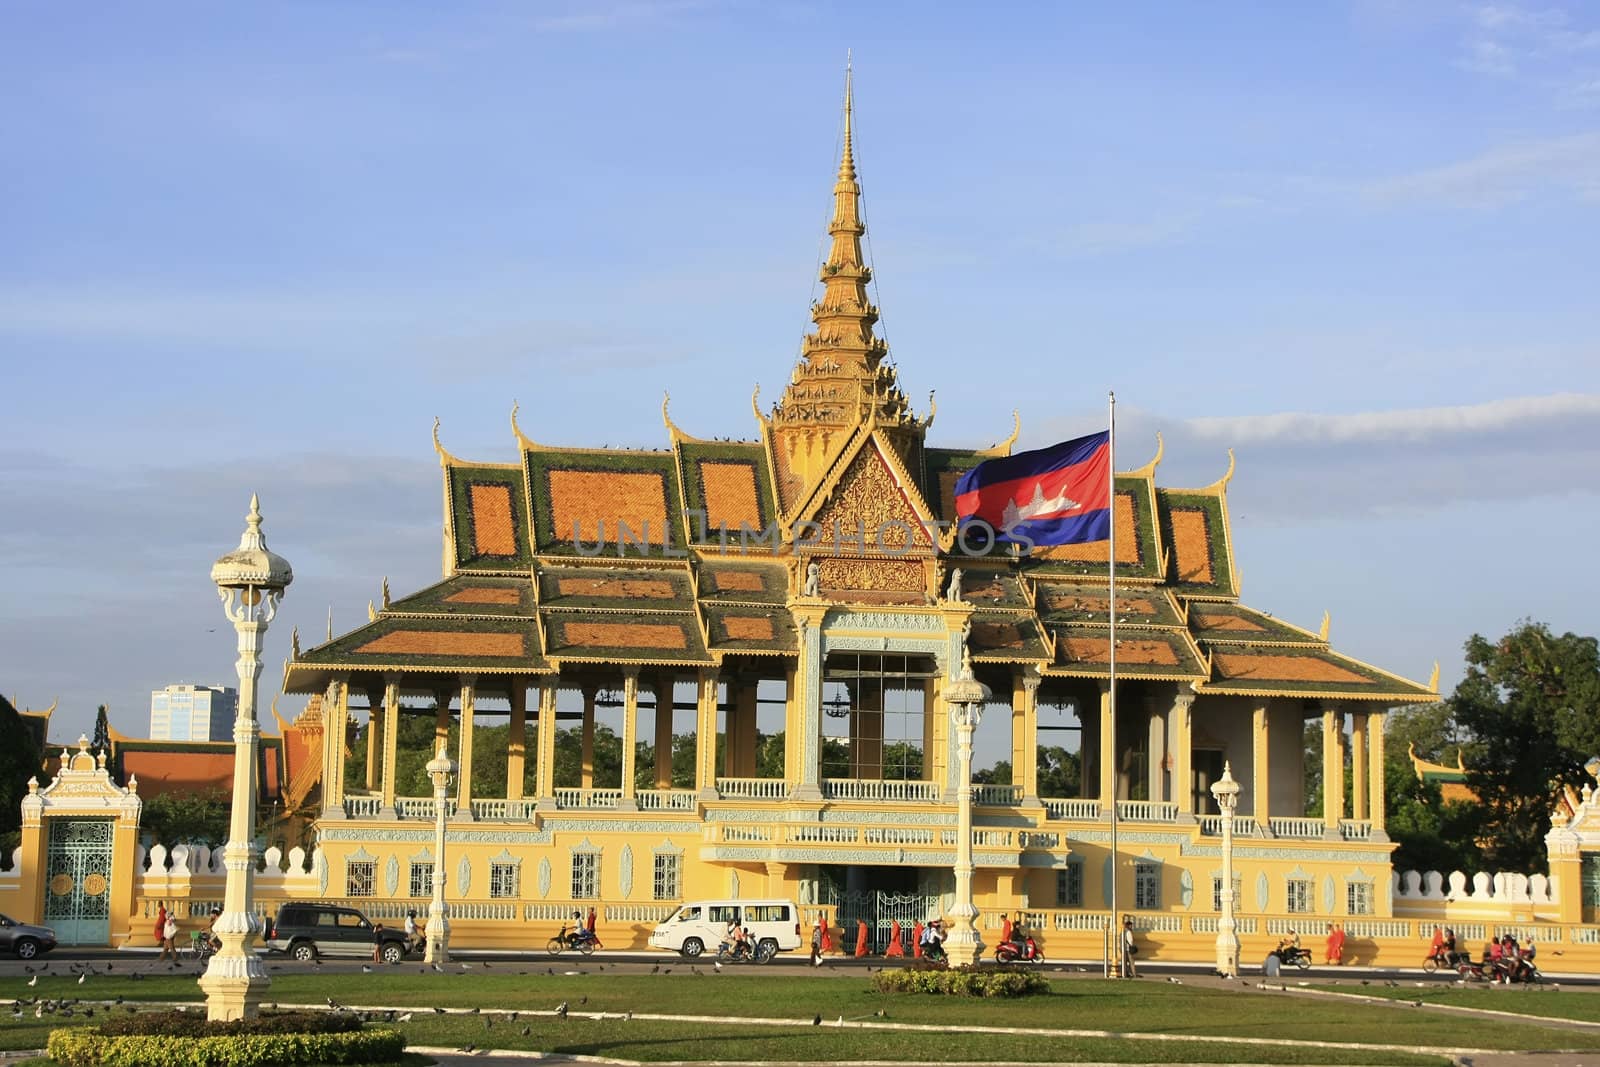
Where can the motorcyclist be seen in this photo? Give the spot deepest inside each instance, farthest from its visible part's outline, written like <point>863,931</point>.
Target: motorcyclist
<point>933,940</point>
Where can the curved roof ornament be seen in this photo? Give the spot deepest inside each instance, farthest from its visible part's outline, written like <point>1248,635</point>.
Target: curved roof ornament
<point>1149,469</point>
<point>445,458</point>
<point>1221,484</point>
<point>527,443</point>
<point>933,411</point>
<point>673,432</point>
<point>1004,447</point>
<point>755,406</point>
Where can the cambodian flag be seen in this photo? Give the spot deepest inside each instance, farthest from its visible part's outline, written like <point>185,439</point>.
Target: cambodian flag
<point>1059,495</point>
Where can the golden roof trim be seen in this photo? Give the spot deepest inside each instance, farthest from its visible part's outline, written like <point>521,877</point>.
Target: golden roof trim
<point>445,458</point>
<point>1149,469</point>
<point>674,434</point>
<point>1003,448</point>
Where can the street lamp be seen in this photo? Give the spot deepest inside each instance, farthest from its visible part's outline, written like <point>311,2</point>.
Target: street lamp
<point>442,769</point>
<point>1226,792</point>
<point>250,580</point>
<point>966,697</point>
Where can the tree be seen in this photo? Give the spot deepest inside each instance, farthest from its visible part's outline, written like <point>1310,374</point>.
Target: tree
<point>102,731</point>
<point>1530,703</point>
<point>1432,834</point>
<point>19,760</point>
<point>1060,772</point>
<point>185,818</point>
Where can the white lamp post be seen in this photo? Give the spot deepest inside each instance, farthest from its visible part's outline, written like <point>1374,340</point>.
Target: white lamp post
<point>442,769</point>
<point>250,580</point>
<point>1226,792</point>
<point>966,697</point>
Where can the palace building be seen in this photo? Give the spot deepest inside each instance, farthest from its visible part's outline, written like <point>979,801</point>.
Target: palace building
<point>717,668</point>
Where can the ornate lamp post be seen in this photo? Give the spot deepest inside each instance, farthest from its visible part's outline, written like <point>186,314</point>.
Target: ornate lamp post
<point>966,697</point>
<point>1226,792</point>
<point>250,580</point>
<point>442,769</point>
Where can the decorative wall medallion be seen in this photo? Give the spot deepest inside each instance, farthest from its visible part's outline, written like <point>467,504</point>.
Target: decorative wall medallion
<point>1186,889</point>
<point>625,872</point>
<point>321,863</point>
<point>391,877</point>
<point>463,877</point>
<point>544,878</point>
<point>1327,894</point>
<point>1263,888</point>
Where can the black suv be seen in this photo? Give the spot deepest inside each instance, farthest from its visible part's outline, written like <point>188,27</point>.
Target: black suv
<point>311,931</point>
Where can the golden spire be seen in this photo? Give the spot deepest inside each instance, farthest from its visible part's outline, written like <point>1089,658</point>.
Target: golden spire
<point>842,381</point>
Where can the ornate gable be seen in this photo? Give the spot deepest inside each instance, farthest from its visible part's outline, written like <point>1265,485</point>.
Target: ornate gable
<point>872,508</point>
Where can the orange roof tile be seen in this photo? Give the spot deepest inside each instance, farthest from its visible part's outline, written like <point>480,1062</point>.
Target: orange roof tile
<point>997,635</point>
<point>478,594</point>
<point>730,495</point>
<point>493,531</point>
<point>446,643</point>
<point>1208,620</point>
<point>747,628</point>
<point>1191,541</point>
<point>582,500</point>
<point>737,581</point>
<point>1283,668</point>
<point>623,635</point>
<point>628,588</point>
<point>1098,551</point>
<point>1130,651</point>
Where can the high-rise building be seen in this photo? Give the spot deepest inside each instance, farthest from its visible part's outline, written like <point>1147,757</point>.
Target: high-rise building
<point>193,713</point>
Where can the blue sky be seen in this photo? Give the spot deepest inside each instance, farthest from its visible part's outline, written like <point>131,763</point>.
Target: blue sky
<point>260,247</point>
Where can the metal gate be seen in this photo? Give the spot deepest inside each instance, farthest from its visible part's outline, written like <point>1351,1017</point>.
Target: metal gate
<point>77,881</point>
<point>880,911</point>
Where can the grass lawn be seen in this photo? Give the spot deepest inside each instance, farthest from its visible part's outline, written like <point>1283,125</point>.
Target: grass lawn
<point>1580,1004</point>
<point>1206,1018</point>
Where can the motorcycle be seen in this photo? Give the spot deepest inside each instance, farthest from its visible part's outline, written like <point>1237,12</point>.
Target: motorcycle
<point>1500,972</point>
<point>580,940</point>
<point>1015,951</point>
<point>933,952</point>
<point>1290,955</point>
<point>1444,958</point>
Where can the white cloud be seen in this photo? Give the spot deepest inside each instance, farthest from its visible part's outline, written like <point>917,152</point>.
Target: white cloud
<point>1412,425</point>
<point>1501,175</point>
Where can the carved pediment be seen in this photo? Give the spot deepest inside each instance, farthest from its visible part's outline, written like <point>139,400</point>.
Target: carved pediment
<point>872,511</point>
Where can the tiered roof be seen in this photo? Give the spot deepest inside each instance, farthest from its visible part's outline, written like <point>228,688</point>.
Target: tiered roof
<point>691,555</point>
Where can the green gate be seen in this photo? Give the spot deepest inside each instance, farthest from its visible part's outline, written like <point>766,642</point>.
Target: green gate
<point>77,881</point>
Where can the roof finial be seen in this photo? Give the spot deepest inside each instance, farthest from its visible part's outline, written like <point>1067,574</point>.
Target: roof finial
<point>847,161</point>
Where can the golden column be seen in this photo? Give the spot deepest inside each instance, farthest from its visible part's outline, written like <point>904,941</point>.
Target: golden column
<point>630,735</point>
<point>251,581</point>
<point>1332,770</point>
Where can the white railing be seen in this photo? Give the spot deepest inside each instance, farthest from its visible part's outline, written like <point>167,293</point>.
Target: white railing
<point>1079,920</point>
<point>1076,810</point>
<point>1581,935</point>
<point>1307,829</point>
<point>567,799</point>
<point>896,835</point>
<point>1207,924</point>
<point>1038,839</point>
<point>1146,810</point>
<point>752,788</point>
<point>745,834</point>
<point>1376,928</point>
<point>997,795</point>
<point>638,913</point>
<point>503,809</point>
<point>1243,826</point>
<point>872,789</point>
<point>1158,924</point>
<point>422,807</point>
<point>1355,829</point>
<point>362,807</point>
<point>667,799</point>
<point>980,838</point>
<point>821,835</point>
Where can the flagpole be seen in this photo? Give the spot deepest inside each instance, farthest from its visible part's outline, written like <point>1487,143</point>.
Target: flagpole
<point>1111,659</point>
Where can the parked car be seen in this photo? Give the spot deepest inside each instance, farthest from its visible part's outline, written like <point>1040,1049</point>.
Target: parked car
<point>701,924</point>
<point>24,939</point>
<point>311,931</point>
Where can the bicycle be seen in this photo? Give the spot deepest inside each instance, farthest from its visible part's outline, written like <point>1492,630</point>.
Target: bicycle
<point>200,947</point>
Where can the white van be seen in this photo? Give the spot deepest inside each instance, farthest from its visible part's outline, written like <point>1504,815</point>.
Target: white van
<point>702,924</point>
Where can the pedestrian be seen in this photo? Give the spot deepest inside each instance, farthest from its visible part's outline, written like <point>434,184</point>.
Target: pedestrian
<point>588,928</point>
<point>1129,950</point>
<point>816,941</point>
<point>916,940</point>
<point>861,938</point>
<point>895,947</point>
<point>1338,944</point>
<point>161,924</point>
<point>169,934</point>
<point>377,943</point>
<point>827,935</point>
<point>411,932</point>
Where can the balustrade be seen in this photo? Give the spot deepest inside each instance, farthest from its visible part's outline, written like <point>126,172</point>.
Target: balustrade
<point>997,795</point>
<point>1243,826</point>
<point>873,789</point>
<point>667,799</point>
<point>752,788</point>
<point>1355,829</point>
<point>422,807</point>
<point>362,807</point>
<point>504,810</point>
<point>895,835</point>
<point>1305,829</point>
<point>1146,811</point>
<point>569,799</point>
<point>1075,810</point>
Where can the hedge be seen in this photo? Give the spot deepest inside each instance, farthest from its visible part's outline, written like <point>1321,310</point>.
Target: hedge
<point>961,982</point>
<point>195,1024</point>
<point>82,1047</point>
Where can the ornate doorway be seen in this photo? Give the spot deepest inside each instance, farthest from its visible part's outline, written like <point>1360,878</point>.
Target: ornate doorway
<point>77,881</point>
